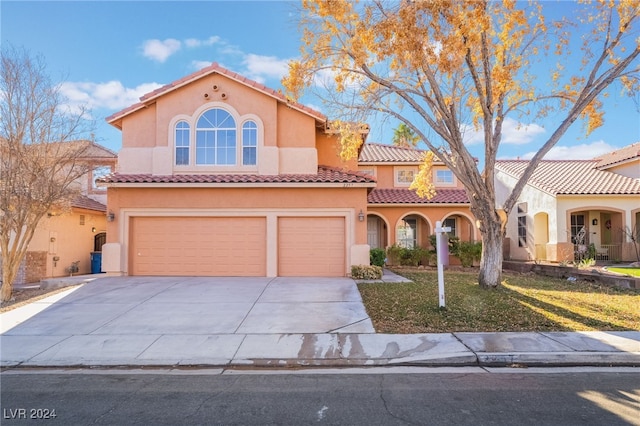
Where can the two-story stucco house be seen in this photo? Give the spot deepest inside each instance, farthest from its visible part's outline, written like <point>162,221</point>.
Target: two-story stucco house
<point>569,206</point>
<point>396,215</point>
<point>71,234</point>
<point>220,175</point>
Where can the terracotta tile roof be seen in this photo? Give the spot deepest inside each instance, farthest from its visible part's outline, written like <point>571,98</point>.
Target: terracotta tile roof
<point>381,153</point>
<point>572,177</point>
<point>408,196</point>
<point>621,155</point>
<point>214,68</point>
<point>324,175</point>
<point>84,202</point>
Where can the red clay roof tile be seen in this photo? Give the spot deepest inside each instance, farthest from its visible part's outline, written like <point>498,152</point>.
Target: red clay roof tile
<point>408,196</point>
<point>324,175</point>
<point>84,202</point>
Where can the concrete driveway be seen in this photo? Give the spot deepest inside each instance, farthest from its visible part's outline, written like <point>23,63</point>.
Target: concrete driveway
<point>204,305</point>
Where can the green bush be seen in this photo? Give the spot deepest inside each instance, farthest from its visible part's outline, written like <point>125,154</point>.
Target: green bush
<point>366,272</point>
<point>377,257</point>
<point>407,257</point>
<point>468,251</point>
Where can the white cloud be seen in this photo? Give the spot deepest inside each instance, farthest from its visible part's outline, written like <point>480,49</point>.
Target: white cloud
<point>513,133</point>
<point>585,151</point>
<point>260,68</point>
<point>194,42</point>
<point>110,95</point>
<point>198,65</point>
<point>158,50</point>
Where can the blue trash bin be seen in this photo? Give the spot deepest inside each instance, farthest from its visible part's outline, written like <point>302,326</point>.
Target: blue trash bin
<point>96,262</point>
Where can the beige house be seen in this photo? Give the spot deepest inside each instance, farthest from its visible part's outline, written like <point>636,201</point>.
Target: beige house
<point>220,175</point>
<point>73,234</point>
<point>396,215</point>
<point>572,207</point>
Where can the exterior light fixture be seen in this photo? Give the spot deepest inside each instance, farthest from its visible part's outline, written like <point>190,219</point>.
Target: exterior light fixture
<point>361,216</point>
<point>93,229</point>
<point>594,222</point>
<point>111,217</point>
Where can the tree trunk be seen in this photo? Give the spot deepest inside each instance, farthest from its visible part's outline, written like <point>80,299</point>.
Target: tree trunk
<point>490,275</point>
<point>7,282</point>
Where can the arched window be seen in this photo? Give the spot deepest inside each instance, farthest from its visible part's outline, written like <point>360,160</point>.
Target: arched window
<point>216,138</point>
<point>249,143</point>
<point>182,143</point>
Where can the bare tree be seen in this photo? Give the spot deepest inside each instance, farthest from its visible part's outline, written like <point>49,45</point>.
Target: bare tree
<point>443,67</point>
<point>40,161</point>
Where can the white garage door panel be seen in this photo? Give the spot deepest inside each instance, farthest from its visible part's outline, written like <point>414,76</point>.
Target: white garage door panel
<point>224,246</point>
<point>311,246</point>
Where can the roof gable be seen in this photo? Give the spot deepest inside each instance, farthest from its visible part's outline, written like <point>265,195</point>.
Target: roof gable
<point>622,155</point>
<point>214,68</point>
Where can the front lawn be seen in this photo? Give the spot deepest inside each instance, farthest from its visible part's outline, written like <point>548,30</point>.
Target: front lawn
<point>634,272</point>
<point>523,303</point>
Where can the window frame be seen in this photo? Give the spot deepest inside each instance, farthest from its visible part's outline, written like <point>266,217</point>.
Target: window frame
<point>192,121</point>
<point>438,182</point>
<point>403,169</point>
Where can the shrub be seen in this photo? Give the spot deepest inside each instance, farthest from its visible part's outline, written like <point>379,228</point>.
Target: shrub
<point>468,251</point>
<point>366,272</point>
<point>377,256</point>
<point>407,256</point>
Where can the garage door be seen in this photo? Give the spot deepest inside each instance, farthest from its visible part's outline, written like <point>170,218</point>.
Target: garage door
<point>311,246</point>
<point>201,246</point>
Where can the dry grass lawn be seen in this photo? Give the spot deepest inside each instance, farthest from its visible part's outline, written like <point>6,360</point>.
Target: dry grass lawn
<point>524,302</point>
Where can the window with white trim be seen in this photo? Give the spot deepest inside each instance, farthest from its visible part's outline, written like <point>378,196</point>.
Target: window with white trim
<point>182,142</point>
<point>216,138</point>
<point>444,177</point>
<point>249,143</point>
<point>404,175</point>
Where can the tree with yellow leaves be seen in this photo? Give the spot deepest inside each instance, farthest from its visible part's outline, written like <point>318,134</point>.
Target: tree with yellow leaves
<point>456,63</point>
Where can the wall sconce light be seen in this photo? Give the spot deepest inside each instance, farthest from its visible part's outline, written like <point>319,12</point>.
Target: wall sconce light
<point>52,239</point>
<point>111,217</point>
<point>361,216</point>
<point>93,229</point>
<point>594,222</point>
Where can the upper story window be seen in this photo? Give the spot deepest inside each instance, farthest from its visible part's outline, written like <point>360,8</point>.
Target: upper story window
<point>216,138</point>
<point>404,175</point>
<point>98,172</point>
<point>183,137</point>
<point>249,143</point>
<point>444,177</point>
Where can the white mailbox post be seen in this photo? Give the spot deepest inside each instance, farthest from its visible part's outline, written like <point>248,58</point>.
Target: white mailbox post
<point>442,248</point>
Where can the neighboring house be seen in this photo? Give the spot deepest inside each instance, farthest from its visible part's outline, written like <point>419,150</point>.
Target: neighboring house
<point>569,206</point>
<point>220,175</point>
<point>71,235</point>
<point>396,215</point>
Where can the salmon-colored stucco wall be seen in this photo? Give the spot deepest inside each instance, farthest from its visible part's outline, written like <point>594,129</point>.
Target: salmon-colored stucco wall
<point>393,215</point>
<point>72,241</point>
<point>328,148</point>
<point>238,198</point>
<point>138,129</point>
<point>295,129</point>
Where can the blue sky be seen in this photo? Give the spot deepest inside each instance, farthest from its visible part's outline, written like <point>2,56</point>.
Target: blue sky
<point>109,53</point>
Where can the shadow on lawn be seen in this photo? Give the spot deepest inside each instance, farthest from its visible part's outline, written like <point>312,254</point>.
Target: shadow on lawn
<point>538,305</point>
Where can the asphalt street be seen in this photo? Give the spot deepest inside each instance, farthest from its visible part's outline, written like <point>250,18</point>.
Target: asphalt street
<point>400,396</point>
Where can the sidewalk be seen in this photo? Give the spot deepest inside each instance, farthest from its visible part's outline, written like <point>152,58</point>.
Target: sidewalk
<point>354,345</point>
